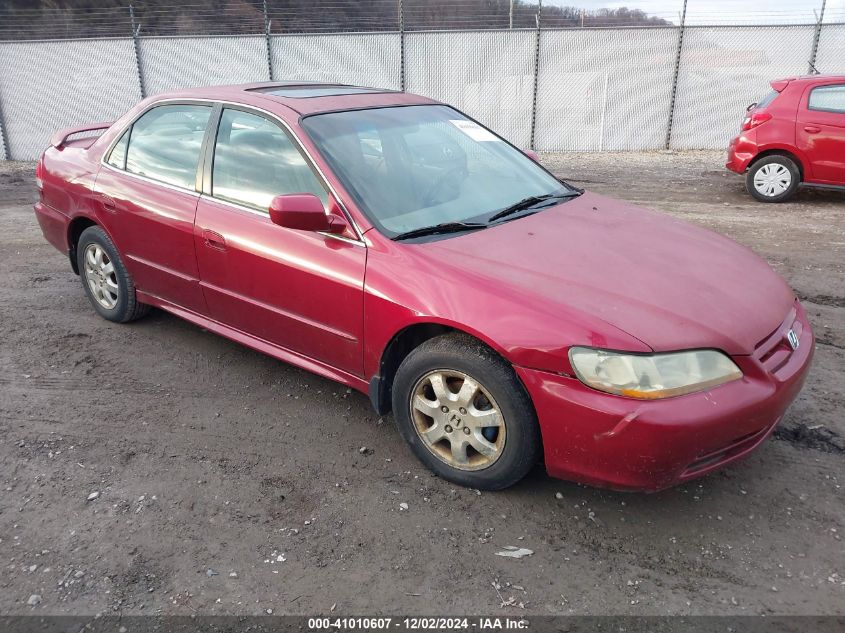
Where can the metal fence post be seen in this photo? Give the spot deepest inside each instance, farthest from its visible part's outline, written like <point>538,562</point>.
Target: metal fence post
<point>268,42</point>
<point>675,77</point>
<point>401,47</point>
<point>816,37</point>
<point>4,137</point>
<point>536,77</point>
<point>136,28</point>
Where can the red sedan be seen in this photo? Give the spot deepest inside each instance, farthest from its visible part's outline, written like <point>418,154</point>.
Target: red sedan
<point>794,136</point>
<point>391,243</point>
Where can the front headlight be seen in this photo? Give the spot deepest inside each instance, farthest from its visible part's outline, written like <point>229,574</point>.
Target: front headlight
<point>652,376</point>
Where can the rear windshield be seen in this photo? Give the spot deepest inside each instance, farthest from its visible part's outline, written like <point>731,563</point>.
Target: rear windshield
<point>767,100</point>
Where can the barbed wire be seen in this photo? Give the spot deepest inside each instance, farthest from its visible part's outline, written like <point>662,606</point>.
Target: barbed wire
<point>241,17</point>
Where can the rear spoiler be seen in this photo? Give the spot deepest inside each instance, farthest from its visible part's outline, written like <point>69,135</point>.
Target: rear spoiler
<point>60,137</point>
<point>779,84</point>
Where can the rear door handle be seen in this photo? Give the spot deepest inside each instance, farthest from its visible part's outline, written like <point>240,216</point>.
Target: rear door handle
<point>108,203</point>
<point>214,240</point>
<point>812,129</point>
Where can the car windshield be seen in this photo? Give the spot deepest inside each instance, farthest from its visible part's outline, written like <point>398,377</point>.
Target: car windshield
<point>413,167</point>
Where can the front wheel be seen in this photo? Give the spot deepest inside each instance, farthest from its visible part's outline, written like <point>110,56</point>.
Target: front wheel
<point>773,179</point>
<point>465,414</point>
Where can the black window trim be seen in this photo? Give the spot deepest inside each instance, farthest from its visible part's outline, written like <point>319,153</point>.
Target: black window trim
<point>821,86</point>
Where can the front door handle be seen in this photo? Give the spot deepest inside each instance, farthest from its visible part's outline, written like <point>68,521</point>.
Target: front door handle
<point>214,240</point>
<point>812,129</point>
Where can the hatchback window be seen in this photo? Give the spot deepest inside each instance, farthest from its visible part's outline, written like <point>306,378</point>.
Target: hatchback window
<point>165,144</point>
<point>828,99</point>
<point>255,161</point>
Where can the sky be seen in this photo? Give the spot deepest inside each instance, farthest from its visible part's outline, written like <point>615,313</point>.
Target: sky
<point>724,11</point>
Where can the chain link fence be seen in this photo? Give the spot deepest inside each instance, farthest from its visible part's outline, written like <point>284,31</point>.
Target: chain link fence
<point>553,89</point>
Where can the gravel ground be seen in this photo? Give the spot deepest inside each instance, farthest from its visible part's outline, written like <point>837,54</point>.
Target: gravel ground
<point>155,468</point>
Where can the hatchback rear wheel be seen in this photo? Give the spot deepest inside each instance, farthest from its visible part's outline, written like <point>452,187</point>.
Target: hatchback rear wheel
<point>773,179</point>
<point>465,414</point>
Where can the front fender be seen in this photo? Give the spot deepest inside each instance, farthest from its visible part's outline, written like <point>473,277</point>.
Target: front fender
<point>402,290</point>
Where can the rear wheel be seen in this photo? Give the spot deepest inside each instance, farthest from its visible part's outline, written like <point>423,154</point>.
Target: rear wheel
<point>773,179</point>
<point>465,414</point>
<point>106,281</point>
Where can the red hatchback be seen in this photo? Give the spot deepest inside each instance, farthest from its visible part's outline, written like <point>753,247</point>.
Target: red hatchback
<point>795,136</point>
<point>391,243</point>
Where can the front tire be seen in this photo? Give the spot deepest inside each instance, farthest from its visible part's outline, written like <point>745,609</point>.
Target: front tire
<point>106,281</point>
<point>465,414</point>
<point>773,179</point>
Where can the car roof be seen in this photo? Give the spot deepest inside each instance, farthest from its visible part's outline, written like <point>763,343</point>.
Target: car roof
<point>304,97</point>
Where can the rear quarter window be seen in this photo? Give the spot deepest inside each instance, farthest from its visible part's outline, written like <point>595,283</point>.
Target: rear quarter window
<point>117,157</point>
<point>828,99</point>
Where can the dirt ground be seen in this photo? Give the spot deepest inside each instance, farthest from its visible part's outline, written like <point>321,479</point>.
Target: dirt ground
<point>231,483</point>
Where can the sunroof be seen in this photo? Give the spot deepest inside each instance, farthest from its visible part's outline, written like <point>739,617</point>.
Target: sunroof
<point>302,92</point>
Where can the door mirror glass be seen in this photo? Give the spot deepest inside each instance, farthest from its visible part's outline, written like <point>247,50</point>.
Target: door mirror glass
<point>304,212</point>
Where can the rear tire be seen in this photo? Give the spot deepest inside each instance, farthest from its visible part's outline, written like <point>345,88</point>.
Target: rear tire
<point>106,281</point>
<point>773,178</point>
<point>465,414</point>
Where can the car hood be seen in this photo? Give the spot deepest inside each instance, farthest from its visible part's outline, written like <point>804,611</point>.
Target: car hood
<point>669,283</point>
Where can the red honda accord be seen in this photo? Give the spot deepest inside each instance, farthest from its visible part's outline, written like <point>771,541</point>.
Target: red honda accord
<point>393,244</point>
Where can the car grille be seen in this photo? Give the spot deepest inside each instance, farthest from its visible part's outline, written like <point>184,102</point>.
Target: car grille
<point>774,351</point>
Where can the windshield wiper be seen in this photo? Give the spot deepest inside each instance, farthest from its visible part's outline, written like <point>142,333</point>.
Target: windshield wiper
<point>532,201</point>
<point>437,229</point>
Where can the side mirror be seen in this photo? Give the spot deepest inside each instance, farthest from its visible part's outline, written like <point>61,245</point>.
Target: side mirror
<point>532,155</point>
<point>304,212</point>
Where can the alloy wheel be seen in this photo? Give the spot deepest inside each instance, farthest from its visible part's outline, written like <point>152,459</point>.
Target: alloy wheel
<point>457,419</point>
<point>101,277</point>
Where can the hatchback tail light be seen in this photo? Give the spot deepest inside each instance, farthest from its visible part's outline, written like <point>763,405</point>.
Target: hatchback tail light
<point>754,119</point>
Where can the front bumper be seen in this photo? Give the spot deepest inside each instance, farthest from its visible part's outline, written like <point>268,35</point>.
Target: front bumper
<point>616,442</point>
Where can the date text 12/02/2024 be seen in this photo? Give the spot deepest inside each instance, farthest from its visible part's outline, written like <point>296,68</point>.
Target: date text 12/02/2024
<point>417,623</point>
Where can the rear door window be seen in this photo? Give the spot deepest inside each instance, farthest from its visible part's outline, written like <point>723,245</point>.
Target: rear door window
<point>828,99</point>
<point>255,161</point>
<point>164,144</point>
